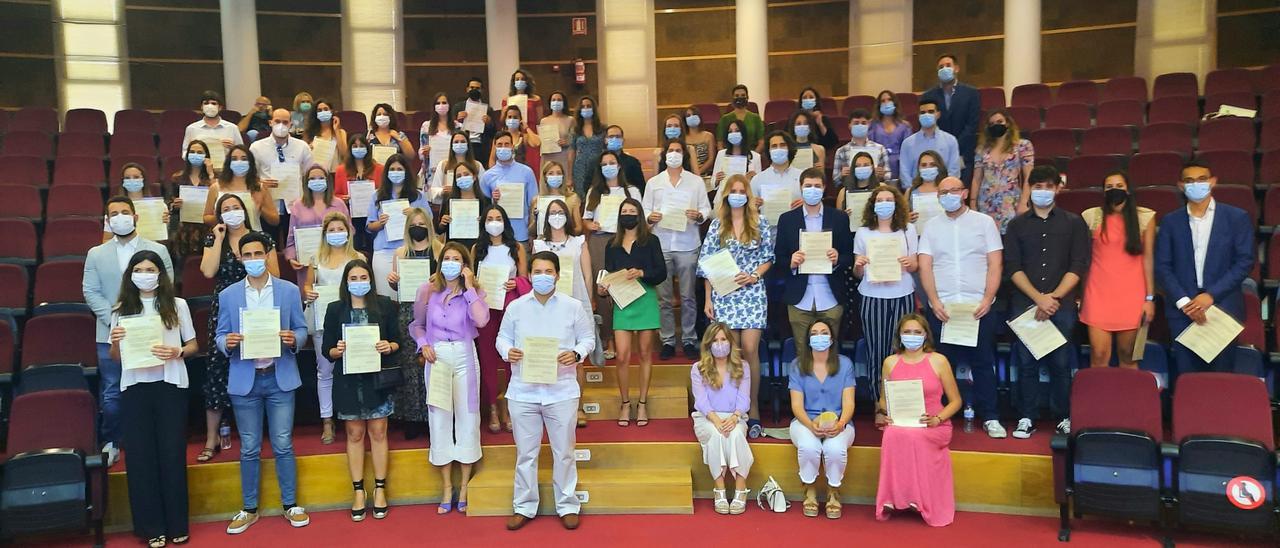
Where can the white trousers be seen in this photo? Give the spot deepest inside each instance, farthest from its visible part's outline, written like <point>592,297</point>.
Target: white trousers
<point>561,421</point>
<point>455,436</point>
<point>382,266</point>
<point>811,451</point>
<point>720,451</point>
<point>324,378</point>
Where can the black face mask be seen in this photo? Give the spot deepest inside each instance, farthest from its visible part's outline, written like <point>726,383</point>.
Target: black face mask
<point>740,101</point>
<point>1116,196</point>
<point>628,222</point>
<point>473,94</point>
<point>418,233</point>
<point>996,131</point>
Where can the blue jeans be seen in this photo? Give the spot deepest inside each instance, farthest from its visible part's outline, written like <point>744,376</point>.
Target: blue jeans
<point>1059,364</point>
<point>981,361</point>
<point>109,394</point>
<point>266,397</point>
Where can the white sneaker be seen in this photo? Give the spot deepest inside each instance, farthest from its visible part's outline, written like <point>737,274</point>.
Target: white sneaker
<point>1024,429</point>
<point>1064,427</point>
<point>113,454</point>
<point>994,429</point>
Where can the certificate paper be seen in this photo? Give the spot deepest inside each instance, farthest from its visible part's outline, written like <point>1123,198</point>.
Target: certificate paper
<point>394,209</point>
<point>141,332</point>
<point>464,219</point>
<point>260,328</point>
<point>413,273</point>
<point>607,213</point>
<point>855,203</point>
<point>382,152</point>
<point>512,199</point>
<point>306,240</point>
<point>720,269</point>
<point>493,280</point>
<point>961,328</point>
<point>674,204</point>
<point>1210,339</point>
<point>361,355</point>
<point>815,246</point>
<point>217,152</point>
<point>474,122</point>
<point>883,253</point>
<point>151,223</point>
<point>326,294</point>
<point>542,204</point>
<point>1040,337</point>
<point>288,183</point>
<point>323,152</point>
<point>361,193</point>
<point>777,200</point>
<point>193,199</point>
<point>539,363</point>
<point>440,384</point>
<point>564,284</point>
<point>521,102</point>
<point>927,207</point>
<point>735,165</point>
<point>550,135</point>
<point>1140,343</point>
<point>623,291</point>
<point>439,152</point>
<point>905,400</point>
<point>803,160</point>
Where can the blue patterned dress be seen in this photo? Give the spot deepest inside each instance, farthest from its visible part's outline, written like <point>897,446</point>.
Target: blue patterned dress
<point>746,307</point>
<point>586,159</point>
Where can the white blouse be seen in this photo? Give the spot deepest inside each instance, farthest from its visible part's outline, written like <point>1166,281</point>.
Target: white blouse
<point>173,371</point>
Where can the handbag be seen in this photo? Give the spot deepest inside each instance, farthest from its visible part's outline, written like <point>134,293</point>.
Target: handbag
<point>388,378</point>
<point>772,498</point>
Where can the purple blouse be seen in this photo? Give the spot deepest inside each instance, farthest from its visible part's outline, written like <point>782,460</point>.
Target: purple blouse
<point>892,141</point>
<point>729,398</point>
<point>302,216</point>
<point>437,318</point>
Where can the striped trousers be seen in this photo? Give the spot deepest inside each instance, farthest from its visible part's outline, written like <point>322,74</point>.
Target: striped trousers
<point>880,329</point>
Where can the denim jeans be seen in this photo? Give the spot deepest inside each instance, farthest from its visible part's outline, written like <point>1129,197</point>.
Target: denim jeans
<point>1059,364</point>
<point>266,398</point>
<point>109,394</point>
<point>981,363</point>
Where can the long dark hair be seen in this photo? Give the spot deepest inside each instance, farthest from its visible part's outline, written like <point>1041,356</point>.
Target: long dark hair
<point>371,299</point>
<point>852,182</point>
<point>391,113</point>
<point>745,146</point>
<point>900,212</point>
<point>686,163</point>
<point>570,227</point>
<point>897,107</point>
<point>353,164</point>
<point>217,212</point>
<point>250,177</point>
<point>185,174</point>
<point>528,80</point>
<point>579,121</point>
<point>937,159</point>
<point>409,190</point>
<point>313,121</point>
<point>508,237</point>
<point>433,124</point>
<point>451,160</point>
<point>599,186</point>
<point>1128,212</point>
<point>805,361</point>
<point>130,302</point>
<point>642,227</point>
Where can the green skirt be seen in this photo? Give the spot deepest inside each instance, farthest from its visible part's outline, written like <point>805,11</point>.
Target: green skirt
<point>640,315</point>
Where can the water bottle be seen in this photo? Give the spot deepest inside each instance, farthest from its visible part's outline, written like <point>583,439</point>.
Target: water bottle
<point>968,419</point>
<point>224,433</point>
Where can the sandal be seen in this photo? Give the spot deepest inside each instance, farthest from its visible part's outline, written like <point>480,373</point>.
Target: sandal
<point>180,540</point>
<point>494,425</point>
<point>380,512</point>
<point>326,435</point>
<point>624,414</point>
<point>208,453</point>
<point>357,515</point>
<point>810,508</point>
<point>642,414</point>
<point>462,504</point>
<point>739,504</point>
<point>157,542</point>
<point>610,355</point>
<point>722,504</point>
<point>833,505</point>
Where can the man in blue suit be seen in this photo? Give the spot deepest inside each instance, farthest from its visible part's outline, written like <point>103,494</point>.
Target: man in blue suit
<point>259,386</point>
<point>961,109</point>
<point>1203,253</point>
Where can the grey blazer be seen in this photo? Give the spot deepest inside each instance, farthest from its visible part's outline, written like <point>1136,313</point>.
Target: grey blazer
<point>102,277</point>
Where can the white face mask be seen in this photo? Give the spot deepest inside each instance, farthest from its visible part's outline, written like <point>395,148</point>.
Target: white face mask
<point>121,225</point>
<point>146,281</point>
<point>233,217</point>
<point>382,120</point>
<point>494,228</point>
<point>210,110</point>
<point>557,220</point>
<point>280,130</point>
<point>675,159</point>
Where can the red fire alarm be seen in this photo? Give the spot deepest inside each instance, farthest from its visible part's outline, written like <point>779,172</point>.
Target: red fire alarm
<point>579,26</point>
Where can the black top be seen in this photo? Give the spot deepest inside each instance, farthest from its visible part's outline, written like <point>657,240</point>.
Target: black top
<point>356,393</point>
<point>647,257</point>
<point>1046,249</point>
<point>632,171</point>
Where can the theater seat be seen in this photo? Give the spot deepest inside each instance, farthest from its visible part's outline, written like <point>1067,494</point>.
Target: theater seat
<point>1076,200</point>
<point>1028,118</point>
<point>58,288</point>
<point>778,111</point>
<point>1155,168</point>
<point>28,143</point>
<point>88,120</point>
<point>1238,195</point>
<point>1077,91</point>
<point>79,170</point>
<point>60,338</point>
<point>1230,166</point>
<point>30,170</point>
<point>74,201</point>
<point>1227,134</point>
<point>1271,216</point>
<point>1228,80</point>
<point>1161,199</point>
<point>21,202</point>
<point>1126,88</point>
<point>40,119</point>
<point>14,288</point>
<point>1182,109</point>
<point>1243,99</point>
<point>1167,136</point>
<point>1107,140</point>
<point>70,237</point>
<point>354,121</point>
<point>855,102</point>
<point>1175,84</point>
<point>1051,143</point>
<point>78,143</point>
<point>1121,112</point>
<point>1090,170</point>
<point>1068,115</point>
<point>134,120</point>
<point>18,246</point>
<point>1032,95</point>
<point>991,98</point>
<point>126,143</point>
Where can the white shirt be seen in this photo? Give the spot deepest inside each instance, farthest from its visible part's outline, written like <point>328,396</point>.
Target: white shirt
<point>125,251</point>
<point>631,192</point>
<point>1201,229</point>
<point>658,185</point>
<point>263,298</point>
<point>959,249</point>
<point>562,318</point>
<point>296,154</point>
<point>887,290</point>
<point>199,130</point>
<point>771,177</point>
<point>441,177</point>
<point>171,371</point>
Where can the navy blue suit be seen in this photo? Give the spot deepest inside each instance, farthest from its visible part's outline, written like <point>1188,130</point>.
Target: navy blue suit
<point>960,119</point>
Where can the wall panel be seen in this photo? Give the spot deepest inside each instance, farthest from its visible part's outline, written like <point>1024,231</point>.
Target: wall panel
<point>974,34</point>
<point>1087,55</point>
<point>26,55</point>
<point>981,63</point>
<point>301,51</point>
<point>162,86</point>
<point>1249,39</point>
<point>700,81</point>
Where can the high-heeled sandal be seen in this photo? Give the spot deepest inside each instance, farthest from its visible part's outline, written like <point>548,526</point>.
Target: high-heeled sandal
<point>357,515</point>
<point>642,406</point>
<point>833,505</point>
<point>739,503</point>
<point>721,504</point>
<point>206,454</point>
<point>495,425</point>
<point>624,414</point>
<point>446,502</point>
<point>156,542</point>
<point>462,504</point>
<point>380,512</point>
<point>326,434</point>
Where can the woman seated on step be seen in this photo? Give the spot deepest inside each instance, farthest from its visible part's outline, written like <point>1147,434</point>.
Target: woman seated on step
<point>821,383</point>
<point>721,399</point>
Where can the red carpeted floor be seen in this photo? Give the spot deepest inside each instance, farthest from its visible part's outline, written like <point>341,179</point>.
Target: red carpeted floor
<point>420,526</point>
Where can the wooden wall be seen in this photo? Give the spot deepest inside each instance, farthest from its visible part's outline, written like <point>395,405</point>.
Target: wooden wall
<point>1248,32</point>
<point>175,53</point>
<point>26,55</point>
<point>808,46</point>
<point>444,46</point>
<point>300,49</point>
<point>548,49</point>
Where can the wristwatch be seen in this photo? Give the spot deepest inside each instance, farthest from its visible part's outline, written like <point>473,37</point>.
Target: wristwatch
<point>577,356</point>
<point>1151,298</point>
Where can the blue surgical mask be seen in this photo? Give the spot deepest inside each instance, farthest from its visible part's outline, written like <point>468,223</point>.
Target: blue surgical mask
<point>464,182</point>
<point>928,174</point>
<point>513,124</point>
<point>887,109</point>
<point>671,132</point>
<point>133,185</point>
<point>858,131</point>
<point>195,158</point>
<point>358,289</point>
<point>336,239</point>
<point>950,202</point>
<point>1042,197</point>
<point>557,106</point>
<point>610,171</point>
<point>543,283</point>
<point>587,112</point>
<point>520,85</point>
<point>693,120</point>
<point>304,107</point>
<point>554,181</point>
<point>396,176</point>
<point>459,148</point>
<point>808,104</point>
<point>946,74</point>
<point>779,155</point>
<point>802,130</point>
<point>812,195</point>
<point>912,342</point>
<point>504,154</point>
<point>1196,191</point>
<point>239,167</point>
<point>884,210</point>
<point>252,134</point>
<point>317,185</point>
<point>737,200</point>
<point>734,137</point>
<point>450,269</point>
<point>613,143</point>
<point>324,116</point>
<point>863,173</point>
<point>820,343</point>
<point>255,267</point>
<point>928,120</point>
<point>359,152</point>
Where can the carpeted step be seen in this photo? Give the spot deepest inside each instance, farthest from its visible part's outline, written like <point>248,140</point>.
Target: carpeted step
<point>665,490</point>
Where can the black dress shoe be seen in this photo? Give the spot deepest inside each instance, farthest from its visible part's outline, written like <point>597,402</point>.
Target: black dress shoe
<point>691,351</point>
<point>667,352</point>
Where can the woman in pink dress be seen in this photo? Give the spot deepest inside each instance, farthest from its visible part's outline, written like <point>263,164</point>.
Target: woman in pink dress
<point>1119,290</point>
<point>915,463</point>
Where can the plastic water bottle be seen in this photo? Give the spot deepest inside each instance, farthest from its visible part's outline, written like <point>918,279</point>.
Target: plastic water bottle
<point>968,419</point>
<point>224,433</point>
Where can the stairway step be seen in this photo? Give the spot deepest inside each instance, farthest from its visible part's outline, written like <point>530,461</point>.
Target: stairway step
<point>662,375</point>
<point>665,402</point>
<point>665,490</point>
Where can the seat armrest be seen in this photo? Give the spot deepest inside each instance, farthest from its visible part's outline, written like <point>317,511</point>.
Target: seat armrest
<point>95,460</point>
<point>1060,442</point>
<point>1169,450</point>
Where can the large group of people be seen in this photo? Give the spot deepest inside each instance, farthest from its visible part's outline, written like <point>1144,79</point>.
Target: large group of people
<point>505,263</point>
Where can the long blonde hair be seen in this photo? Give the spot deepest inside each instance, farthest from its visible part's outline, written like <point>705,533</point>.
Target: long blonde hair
<point>408,223</point>
<point>707,364</point>
<point>566,186</point>
<point>348,249</point>
<point>750,217</point>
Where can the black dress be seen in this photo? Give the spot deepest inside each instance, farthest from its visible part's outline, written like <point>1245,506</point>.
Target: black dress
<point>356,396</point>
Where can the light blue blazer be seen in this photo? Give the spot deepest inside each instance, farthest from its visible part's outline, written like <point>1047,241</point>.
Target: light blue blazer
<point>289,300</point>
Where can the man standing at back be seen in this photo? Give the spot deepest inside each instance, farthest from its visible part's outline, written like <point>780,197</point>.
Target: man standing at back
<point>930,137</point>
<point>961,106</point>
<point>211,128</point>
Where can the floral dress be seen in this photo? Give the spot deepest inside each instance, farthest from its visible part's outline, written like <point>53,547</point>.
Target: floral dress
<point>586,157</point>
<point>1002,182</point>
<point>410,397</point>
<point>230,272</point>
<point>745,308</point>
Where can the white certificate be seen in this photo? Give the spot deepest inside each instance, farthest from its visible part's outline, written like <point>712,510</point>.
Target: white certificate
<point>538,366</point>
<point>288,183</point>
<point>325,294</point>
<point>141,332</point>
<point>394,209</point>
<point>735,165</point>
<point>474,122</point>
<point>623,291</point>
<point>855,203</point>
<point>1040,337</point>
<point>720,269</point>
<point>521,102</point>
<point>306,240</point>
<point>803,160</point>
<point>549,132</point>
<point>905,400</point>
<point>361,193</point>
<point>193,200</point>
<point>493,280</point>
<point>439,152</point>
<point>440,383</point>
<point>542,204</point>
<point>961,328</point>
<point>928,207</point>
<point>512,199</point>
<point>815,246</point>
<point>323,151</point>
<point>361,354</point>
<point>607,212</point>
<point>564,284</point>
<point>217,152</point>
<point>777,200</point>
<point>674,205</point>
<point>1140,342</point>
<point>464,219</point>
<point>382,152</point>
<point>883,253</point>
<point>413,273</point>
<point>1211,338</point>
<point>151,223</point>
<point>251,209</point>
<point>260,328</point>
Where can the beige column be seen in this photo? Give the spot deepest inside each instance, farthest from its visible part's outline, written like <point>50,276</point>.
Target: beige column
<point>91,55</point>
<point>502,37</point>
<point>879,46</point>
<point>752,32</point>
<point>628,72</point>
<point>1021,43</point>
<point>1175,36</point>
<point>242,81</point>
<point>372,75</point>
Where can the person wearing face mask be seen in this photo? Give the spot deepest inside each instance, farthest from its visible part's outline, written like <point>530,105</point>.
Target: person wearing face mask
<point>1047,280</point>
<point>859,129</point>
<point>507,170</point>
<point>221,263</point>
<point>263,387</point>
<point>679,246</point>
<point>385,130</point>
<point>398,183</point>
<point>258,120</point>
<point>702,141</point>
<point>1000,169</point>
<point>154,399</point>
<point>915,463</point>
<point>821,382</point>
<point>336,250</point>
<point>420,244</point>
<point>861,181</point>
<point>721,383</point>
<point>959,108</point>
<point>613,141</point>
<point>961,260</point>
<point>211,128</point>
<point>780,175</point>
<point>316,203</point>
<point>465,187</point>
<point>303,108</point>
<point>1121,274</point>
<point>525,141</point>
<point>554,185</point>
<point>188,238</point>
<point>499,250</point>
<point>535,407</point>
<point>888,127</point>
<point>447,314</point>
<point>282,159</point>
<point>358,167</point>
<point>924,188</point>
<point>561,235</point>
<point>441,184</point>
<point>753,130</point>
<point>520,89</point>
<point>610,186</point>
<point>810,102</point>
<point>1203,254</point>
<point>322,123</point>
<point>240,177</point>
<point>730,158</point>
<point>586,141</point>
<point>557,114</point>
<point>473,95</point>
<point>133,185</point>
<point>674,127</point>
<point>435,127</point>
<point>359,400</point>
<point>930,137</point>
<point>884,217</point>
<point>104,269</point>
<point>808,153</point>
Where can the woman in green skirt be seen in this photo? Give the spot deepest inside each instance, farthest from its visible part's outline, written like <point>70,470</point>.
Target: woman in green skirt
<point>636,251</point>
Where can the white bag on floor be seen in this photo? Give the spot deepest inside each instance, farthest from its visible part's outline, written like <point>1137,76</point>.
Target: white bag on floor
<point>772,498</point>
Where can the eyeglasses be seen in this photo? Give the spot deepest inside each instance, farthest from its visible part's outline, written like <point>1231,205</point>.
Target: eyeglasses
<point>1200,179</point>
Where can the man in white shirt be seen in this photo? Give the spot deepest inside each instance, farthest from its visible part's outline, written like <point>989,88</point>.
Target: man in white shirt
<point>859,125</point>
<point>779,174</point>
<point>961,261</point>
<point>282,160</point>
<point>545,314</point>
<point>680,248</point>
<point>211,128</point>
